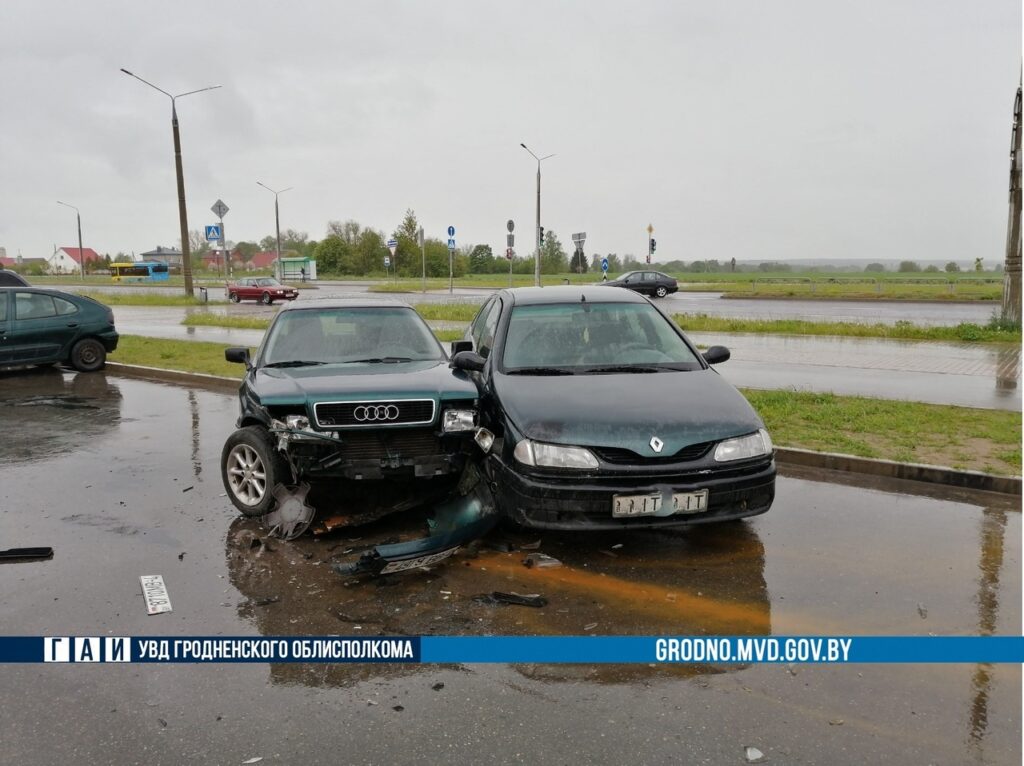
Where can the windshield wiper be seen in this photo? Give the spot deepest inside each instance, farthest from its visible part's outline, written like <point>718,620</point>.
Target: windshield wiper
<point>625,368</point>
<point>294,363</point>
<point>379,360</point>
<point>541,371</point>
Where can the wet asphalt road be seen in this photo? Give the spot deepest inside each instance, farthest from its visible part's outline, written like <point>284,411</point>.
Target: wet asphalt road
<point>713,304</point>
<point>98,467</point>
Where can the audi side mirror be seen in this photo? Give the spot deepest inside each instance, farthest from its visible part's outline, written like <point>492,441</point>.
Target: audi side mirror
<point>716,355</point>
<point>458,346</point>
<point>238,356</point>
<point>468,360</point>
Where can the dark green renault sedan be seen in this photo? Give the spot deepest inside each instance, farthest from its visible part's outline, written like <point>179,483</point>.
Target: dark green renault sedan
<point>40,326</point>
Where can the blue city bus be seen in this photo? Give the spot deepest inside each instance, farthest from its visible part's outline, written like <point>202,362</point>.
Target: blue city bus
<point>139,271</point>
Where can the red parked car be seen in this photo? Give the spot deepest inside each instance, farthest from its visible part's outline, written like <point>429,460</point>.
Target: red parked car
<point>266,290</point>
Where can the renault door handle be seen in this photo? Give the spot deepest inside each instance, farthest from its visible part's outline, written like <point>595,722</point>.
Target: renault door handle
<point>72,324</point>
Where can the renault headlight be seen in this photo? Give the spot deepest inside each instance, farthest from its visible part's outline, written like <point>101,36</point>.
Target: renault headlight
<point>553,455</point>
<point>743,447</point>
<point>458,420</point>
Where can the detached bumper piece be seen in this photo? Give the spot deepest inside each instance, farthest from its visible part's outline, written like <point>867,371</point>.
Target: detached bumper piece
<point>573,503</point>
<point>459,520</point>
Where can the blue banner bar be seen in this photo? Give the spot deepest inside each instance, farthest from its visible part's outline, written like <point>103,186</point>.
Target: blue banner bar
<point>511,649</point>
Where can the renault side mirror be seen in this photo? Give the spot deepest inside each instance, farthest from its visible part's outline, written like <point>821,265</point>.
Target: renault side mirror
<point>458,346</point>
<point>470,361</point>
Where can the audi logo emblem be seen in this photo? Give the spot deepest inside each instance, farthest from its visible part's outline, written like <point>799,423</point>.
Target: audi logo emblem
<point>375,413</point>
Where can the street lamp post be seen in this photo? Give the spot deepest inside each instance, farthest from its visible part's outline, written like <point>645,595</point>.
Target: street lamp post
<point>536,261</point>
<point>186,256</point>
<point>81,253</point>
<point>277,227</point>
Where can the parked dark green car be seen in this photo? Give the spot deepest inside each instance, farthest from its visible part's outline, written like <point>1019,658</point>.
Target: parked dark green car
<point>40,326</point>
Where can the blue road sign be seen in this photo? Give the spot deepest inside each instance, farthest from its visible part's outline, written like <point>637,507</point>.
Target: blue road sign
<point>451,243</point>
<point>392,243</point>
<point>604,264</point>
<point>451,232</point>
<point>212,233</point>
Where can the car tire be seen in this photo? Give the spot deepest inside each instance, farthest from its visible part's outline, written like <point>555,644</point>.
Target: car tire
<point>233,297</point>
<point>88,355</point>
<point>266,300</point>
<point>661,292</point>
<point>248,453</point>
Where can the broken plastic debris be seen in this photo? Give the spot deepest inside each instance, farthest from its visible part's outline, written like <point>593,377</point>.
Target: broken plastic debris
<point>616,546</point>
<point>530,546</point>
<point>253,760</point>
<point>456,522</point>
<point>836,722</point>
<point>591,626</point>
<point>922,610</point>
<point>519,599</point>
<point>541,561</point>
<point>438,686</point>
<point>753,754</point>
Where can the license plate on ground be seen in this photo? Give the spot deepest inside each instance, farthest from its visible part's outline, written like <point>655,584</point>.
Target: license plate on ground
<point>628,506</point>
<point>155,593</point>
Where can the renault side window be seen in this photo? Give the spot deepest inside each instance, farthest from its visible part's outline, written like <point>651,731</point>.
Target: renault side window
<point>3,306</point>
<point>489,328</point>
<point>476,329</point>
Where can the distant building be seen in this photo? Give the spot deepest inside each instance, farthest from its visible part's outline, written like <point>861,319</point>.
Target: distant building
<point>19,263</point>
<point>68,260</point>
<point>167,255</point>
<point>261,261</point>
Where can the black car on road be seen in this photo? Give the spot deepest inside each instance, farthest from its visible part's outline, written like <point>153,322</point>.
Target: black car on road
<point>353,399</point>
<point>606,416</point>
<point>40,326</point>
<point>652,283</point>
<point>11,279</point>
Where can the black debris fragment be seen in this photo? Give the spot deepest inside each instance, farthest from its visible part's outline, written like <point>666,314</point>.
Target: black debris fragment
<point>438,686</point>
<point>26,554</point>
<point>187,489</point>
<point>518,599</point>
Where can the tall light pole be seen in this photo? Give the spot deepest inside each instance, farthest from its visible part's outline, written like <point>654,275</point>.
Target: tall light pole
<point>277,226</point>
<point>186,256</point>
<point>536,257</point>
<point>81,254</point>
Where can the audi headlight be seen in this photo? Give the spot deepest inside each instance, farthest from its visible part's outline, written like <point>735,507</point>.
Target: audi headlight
<point>553,455</point>
<point>458,420</point>
<point>297,422</point>
<point>743,447</point>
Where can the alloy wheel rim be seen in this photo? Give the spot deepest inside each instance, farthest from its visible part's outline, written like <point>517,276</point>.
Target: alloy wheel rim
<point>247,476</point>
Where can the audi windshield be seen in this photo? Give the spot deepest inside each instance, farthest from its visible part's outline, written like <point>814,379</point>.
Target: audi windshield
<point>372,335</point>
<point>593,338</point>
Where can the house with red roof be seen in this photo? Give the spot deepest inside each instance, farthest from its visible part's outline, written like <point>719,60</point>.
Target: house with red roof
<point>261,261</point>
<point>68,260</point>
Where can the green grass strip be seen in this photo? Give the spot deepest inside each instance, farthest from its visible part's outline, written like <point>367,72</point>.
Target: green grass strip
<point>961,437</point>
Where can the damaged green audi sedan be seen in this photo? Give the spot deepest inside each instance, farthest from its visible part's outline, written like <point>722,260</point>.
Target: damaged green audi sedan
<point>348,406</point>
<point>605,416</point>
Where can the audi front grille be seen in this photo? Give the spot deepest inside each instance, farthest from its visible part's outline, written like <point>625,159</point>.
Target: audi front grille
<point>374,414</point>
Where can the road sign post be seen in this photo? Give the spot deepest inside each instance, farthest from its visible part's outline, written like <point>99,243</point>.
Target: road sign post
<point>220,210</point>
<point>421,239</point>
<point>650,240</point>
<point>579,238</point>
<point>393,247</point>
<point>451,262</point>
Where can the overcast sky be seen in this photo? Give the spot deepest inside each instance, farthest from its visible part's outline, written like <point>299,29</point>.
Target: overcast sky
<point>760,130</point>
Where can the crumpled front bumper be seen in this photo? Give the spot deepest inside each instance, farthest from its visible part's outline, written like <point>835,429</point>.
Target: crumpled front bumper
<point>569,502</point>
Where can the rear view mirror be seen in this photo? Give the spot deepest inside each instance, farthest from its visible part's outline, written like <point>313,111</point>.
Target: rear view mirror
<point>459,346</point>
<point>716,355</point>
<point>237,355</point>
<point>468,360</point>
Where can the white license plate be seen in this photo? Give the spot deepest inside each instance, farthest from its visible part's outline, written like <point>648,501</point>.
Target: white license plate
<point>627,506</point>
<point>155,593</point>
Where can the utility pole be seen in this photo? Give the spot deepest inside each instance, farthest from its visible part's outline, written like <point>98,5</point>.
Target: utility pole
<point>81,253</point>
<point>536,262</point>
<point>421,237</point>
<point>1011,270</point>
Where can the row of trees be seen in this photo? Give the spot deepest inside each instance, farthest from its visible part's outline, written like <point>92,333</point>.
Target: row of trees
<point>350,249</point>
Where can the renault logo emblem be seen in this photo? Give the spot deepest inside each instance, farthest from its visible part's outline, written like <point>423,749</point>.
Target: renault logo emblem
<point>657,444</point>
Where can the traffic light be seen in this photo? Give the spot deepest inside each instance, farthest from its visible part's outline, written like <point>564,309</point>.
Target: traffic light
<point>653,246</point>
<point>542,235</point>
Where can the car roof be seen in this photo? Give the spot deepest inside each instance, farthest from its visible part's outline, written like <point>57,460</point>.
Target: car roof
<point>346,303</point>
<point>539,296</point>
<point>34,289</point>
